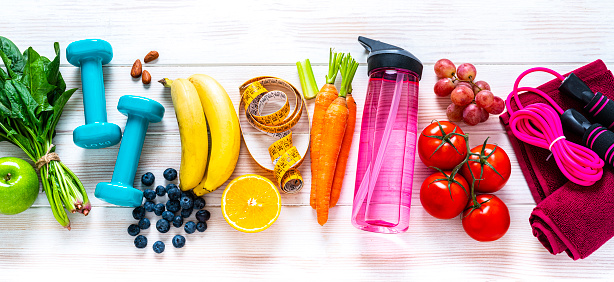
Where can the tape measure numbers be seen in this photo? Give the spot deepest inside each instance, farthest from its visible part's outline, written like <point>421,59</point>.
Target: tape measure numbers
<point>256,93</point>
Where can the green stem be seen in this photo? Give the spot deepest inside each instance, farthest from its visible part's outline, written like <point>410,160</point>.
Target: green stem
<point>334,61</point>
<point>308,81</point>
<point>348,70</point>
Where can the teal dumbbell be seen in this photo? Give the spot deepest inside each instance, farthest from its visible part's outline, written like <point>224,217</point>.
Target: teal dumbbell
<point>140,111</point>
<point>90,55</point>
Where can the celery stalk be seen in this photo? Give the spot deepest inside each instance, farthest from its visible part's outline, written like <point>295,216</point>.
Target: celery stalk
<point>308,81</point>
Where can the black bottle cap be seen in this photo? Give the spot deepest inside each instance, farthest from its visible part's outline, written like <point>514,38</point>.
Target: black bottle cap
<point>383,55</point>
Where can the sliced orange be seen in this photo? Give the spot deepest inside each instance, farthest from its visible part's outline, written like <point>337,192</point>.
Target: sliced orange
<point>251,203</point>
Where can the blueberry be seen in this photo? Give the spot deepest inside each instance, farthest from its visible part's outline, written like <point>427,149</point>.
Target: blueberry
<point>168,215</point>
<point>159,209</point>
<point>173,206</point>
<point>186,203</point>
<point>203,215</point>
<point>199,203</point>
<point>149,194</point>
<point>185,213</point>
<point>188,194</point>
<point>149,206</point>
<point>201,226</point>
<point>173,192</point>
<point>160,190</point>
<point>162,225</point>
<point>170,174</point>
<point>133,230</point>
<point>189,227</point>
<point>177,221</point>
<point>138,213</point>
<point>158,247</point>
<point>147,179</point>
<point>140,241</point>
<point>178,241</point>
<point>144,223</point>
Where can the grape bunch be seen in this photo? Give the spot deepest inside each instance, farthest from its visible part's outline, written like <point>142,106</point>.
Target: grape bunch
<point>472,102</point>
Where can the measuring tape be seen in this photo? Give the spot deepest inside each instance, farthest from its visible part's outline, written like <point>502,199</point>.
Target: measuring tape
<point>286,158</point>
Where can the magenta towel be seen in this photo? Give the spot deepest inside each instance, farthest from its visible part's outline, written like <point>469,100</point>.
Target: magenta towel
<point>568,217</point>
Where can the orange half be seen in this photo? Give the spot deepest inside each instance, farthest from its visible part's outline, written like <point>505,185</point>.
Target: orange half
<point>251,203</point>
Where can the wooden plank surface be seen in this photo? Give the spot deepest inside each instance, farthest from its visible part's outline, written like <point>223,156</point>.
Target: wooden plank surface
<point>234,42</point>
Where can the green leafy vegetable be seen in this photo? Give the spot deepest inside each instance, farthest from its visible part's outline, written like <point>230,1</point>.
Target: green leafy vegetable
<point>32,97</point>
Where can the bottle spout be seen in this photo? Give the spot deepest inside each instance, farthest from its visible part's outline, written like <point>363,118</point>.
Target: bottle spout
<point>384,55</point>
<point>375,45</point>
<point>575,122</point>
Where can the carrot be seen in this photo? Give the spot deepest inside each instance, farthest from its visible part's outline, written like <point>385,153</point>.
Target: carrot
<point>336,121</point>
<point>342,160</point>
<point>328,93</point>
<point>348,69</point>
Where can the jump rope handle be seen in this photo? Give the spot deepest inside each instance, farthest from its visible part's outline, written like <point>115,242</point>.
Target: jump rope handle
<point>594,136</point>
<point>596,104</point>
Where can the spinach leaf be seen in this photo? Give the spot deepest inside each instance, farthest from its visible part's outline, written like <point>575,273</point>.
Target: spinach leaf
<point>17,111</point>
<point>12,52</point>
<point>8,63</point>
<point>35,78</point>
<point>58,108</point>
<point>28,102</point>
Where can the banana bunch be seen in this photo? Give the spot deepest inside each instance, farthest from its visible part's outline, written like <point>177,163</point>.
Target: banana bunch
<point>201,102</point>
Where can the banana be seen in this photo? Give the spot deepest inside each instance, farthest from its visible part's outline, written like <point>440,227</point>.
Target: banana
<point>192,130</point>
<point>224,129</point>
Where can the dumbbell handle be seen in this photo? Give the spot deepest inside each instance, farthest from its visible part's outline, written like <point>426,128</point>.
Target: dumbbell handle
<point>94,103</point>
<point>130,150</point>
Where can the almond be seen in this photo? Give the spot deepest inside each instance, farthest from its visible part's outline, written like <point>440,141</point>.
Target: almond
<point>152,55</point>
<point>136,69</point>
<point>146,77</point>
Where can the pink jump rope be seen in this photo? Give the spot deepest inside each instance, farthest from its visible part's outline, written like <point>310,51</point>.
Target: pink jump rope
<point>540,125</point>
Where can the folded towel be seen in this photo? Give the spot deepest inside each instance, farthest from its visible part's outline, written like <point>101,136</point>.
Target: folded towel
<point>568,217</point>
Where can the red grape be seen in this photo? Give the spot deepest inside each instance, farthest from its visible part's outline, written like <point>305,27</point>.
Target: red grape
<point>497,106</point>
<point>462,95</point>
<point>466,71</point>
<point>444,87</point>
<point>455,112</point>
<point>445,68</point>
<point>484,98</point>
<point>480,85</point>
<point>472,115</point>
<point>463,83</point>
<point>483,115</point>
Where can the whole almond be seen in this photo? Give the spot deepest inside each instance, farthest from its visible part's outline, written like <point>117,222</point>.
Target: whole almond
<point>152,55</point>
<point>146,78</point>
<point>136,69</point>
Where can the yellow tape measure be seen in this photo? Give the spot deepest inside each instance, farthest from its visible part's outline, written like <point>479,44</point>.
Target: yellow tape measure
<point>256,93</point>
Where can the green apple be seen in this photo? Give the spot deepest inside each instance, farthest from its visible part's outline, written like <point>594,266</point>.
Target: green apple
<point>18,185</point>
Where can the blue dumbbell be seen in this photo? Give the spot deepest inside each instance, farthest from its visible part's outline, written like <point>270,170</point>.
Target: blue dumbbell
<point>90,55</point>
<point>140,111</point>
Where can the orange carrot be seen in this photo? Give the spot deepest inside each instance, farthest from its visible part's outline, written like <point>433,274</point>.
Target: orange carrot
<point>344,153</point>
<point>348,70</point>
<point>325,97</point>
<point>336,122</point>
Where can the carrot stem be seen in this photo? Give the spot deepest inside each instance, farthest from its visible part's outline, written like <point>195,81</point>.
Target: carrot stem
<point>308,81</point>
<point>334,61</point>
<point>348,70</point>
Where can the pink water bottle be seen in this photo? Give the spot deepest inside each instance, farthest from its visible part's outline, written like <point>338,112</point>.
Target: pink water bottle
<point>386,154</point>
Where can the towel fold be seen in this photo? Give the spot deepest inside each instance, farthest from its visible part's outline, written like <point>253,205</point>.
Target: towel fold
<point>568,217</point>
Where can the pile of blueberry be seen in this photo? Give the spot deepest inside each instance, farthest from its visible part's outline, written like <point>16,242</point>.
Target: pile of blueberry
<point>179,205</point>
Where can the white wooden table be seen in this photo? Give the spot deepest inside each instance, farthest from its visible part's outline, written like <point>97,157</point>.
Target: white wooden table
<point>234,42</point>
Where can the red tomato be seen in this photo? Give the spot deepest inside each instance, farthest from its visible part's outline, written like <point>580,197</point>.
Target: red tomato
<point>490,181</point>
<point>489,222</point>
<point>441,202</point>
<point>445,157</point>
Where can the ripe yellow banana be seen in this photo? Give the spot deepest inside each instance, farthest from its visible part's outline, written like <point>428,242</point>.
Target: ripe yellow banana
<point>192,131</point>
<point>225,133</point>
